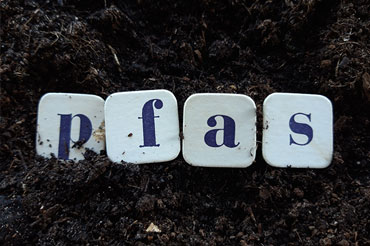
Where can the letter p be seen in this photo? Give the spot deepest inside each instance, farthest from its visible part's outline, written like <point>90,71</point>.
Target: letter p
<point>65,133</point>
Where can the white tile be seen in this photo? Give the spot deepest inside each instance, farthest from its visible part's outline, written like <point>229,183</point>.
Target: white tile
<point>298,130</point>
<point>219,130</point>
<point>142,126</point>
<point>68,124</point>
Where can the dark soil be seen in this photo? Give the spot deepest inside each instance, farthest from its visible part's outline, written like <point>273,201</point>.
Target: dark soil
<point>249,47</point>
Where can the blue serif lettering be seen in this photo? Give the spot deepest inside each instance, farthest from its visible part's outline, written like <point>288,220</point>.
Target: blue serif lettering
<point>148,122</point>
<point>65,133</point>
<point>228,130</point>
<point>300,128</point>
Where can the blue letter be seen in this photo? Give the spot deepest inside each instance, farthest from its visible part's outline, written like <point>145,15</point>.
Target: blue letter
<point>148,122</point>
<point>65,133</point>
<point>229,132</point>
<point>300,128</point>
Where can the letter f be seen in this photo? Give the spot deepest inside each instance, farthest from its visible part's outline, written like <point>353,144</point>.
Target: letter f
<point>148,122</point>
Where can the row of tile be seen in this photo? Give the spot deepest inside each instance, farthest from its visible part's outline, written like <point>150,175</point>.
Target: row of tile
<point>219,130</point>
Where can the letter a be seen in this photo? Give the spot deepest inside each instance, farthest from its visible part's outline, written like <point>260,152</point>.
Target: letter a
<point>300,128</point>
<point>148,122</point>
<point>229,132</point>
<point>65,133</point>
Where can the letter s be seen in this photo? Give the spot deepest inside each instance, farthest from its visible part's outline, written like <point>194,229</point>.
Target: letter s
<point>300,128</point>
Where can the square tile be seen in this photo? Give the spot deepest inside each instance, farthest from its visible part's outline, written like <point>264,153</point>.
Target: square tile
<point>68,124</point>
<point>142,126</point>
<point>298,130</point>
<point>219,130</point>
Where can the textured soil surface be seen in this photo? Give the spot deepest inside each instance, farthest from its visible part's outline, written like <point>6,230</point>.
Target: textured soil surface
<point>248,47</point>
